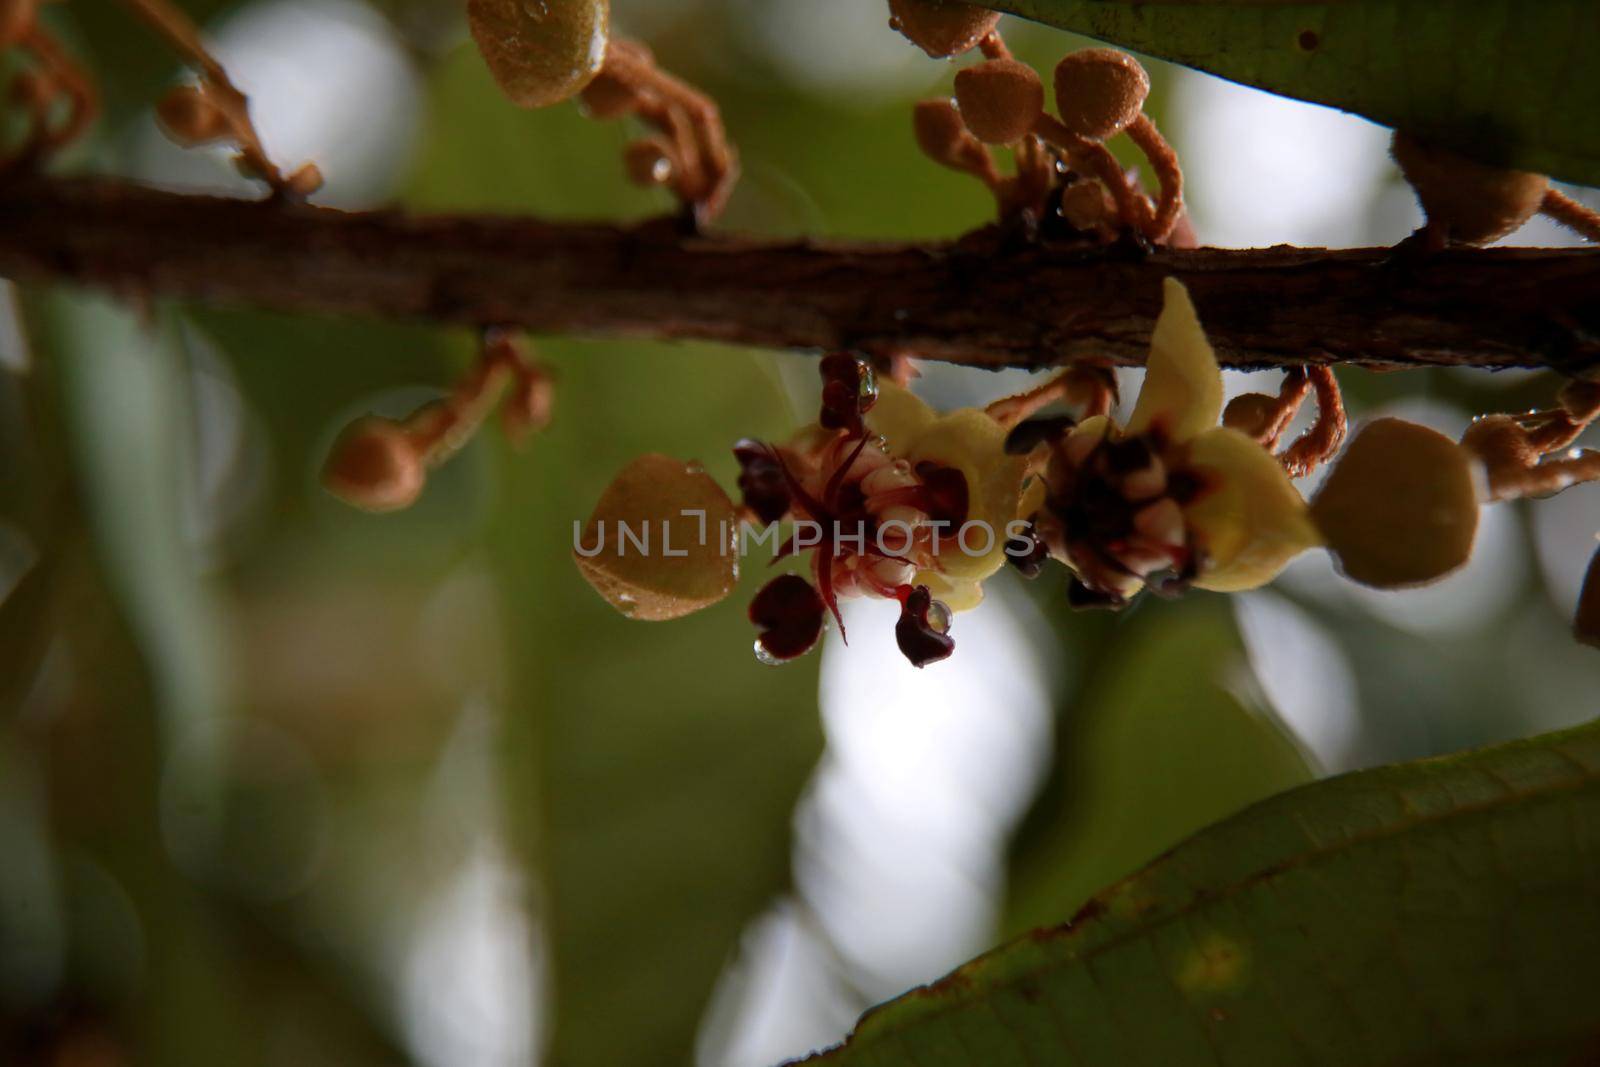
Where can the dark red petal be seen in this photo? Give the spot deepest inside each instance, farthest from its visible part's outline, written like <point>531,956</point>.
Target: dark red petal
<point>823,565</point>
<point>762,485</point>
<point>947,493</point>
<point>920,641</point>
<point>788,613</point>
<point>1025,436</point>
<point>1028,560</point>
<point>1081,596</point>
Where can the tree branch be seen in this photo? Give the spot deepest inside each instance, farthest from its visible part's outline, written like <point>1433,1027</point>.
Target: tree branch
<point>982,300</point>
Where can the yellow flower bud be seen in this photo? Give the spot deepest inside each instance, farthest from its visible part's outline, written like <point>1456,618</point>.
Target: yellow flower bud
<point>375,466</point>
<point>649,559</point>
<point>1474,203</point>
<point>540,51</point>
<point>1000,100</point>
<point>1400,507</point>
<point>190,117</point>
<point>942,28</point>
<point>1100,92</point>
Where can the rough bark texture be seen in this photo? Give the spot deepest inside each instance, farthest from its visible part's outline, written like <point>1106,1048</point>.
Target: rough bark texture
<point>984,300</point>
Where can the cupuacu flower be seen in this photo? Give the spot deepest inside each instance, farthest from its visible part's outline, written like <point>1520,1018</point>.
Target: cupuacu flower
<point>892,500</point>
<point>1172,499</point>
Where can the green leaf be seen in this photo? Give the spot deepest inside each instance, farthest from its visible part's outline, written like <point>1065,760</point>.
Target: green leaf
<point>1438,912</point>
<point>1504,81</point>
<point>653,766</point>
<point>1160,704</point>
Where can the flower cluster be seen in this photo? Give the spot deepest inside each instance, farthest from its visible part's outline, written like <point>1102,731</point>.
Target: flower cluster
<point>1066,178</point>
<point>890,499</point>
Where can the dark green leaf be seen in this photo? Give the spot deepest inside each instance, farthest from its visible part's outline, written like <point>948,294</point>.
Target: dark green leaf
<point>1439,912</point>
<point>1504,81</point>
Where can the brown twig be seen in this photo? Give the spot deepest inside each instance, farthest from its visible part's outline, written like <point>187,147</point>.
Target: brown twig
<point>986,300</point>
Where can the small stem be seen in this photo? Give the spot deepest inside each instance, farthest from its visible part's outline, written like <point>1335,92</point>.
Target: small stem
<point>1551,476</point>
<point>706,166</point>
<point>77,85</point>
<point>1582,220</point>
<point>1132,206</point>
<point>1322,440</point>
<point>1291,395</point>
<point>993,46</point>
<point>183,35</point>
<point>1164,161</point>
<point>1010,410</point>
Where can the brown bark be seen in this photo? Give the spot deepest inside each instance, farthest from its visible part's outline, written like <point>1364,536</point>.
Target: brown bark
<point>982,300</point>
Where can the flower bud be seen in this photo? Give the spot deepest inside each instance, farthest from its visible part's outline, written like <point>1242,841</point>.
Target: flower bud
<point>1000,100</point>
<point>942,28</point>
<point>526,410</point>
<point>1251,413</point>
<point>1100,92</point>
<point>375,466</point>
<point>306,179</point>
<point>1400,508</point>
<point>662,540</point>
<point>540,51</point>
<point>1474,203</point>
<point>1086,205</point>
<point>1586,623</point>
<point>941,134</point>
<point>190,117</point>
<point>647,162</point>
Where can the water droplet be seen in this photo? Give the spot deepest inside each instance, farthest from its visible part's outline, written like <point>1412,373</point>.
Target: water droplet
<point>939,617</point>
<point>694,467</point>
<point>538,10</point>
<point>869,385</point>
<point>766,657</point>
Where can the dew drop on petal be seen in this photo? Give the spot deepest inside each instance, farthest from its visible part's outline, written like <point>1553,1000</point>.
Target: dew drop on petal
<point>939,616</point>
<point>869,386</point>
<point>766,657</point>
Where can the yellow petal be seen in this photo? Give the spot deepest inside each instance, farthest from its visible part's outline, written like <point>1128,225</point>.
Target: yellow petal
<point>673,564</point>
<point>1033,498</point>
<point>1182,383</point>
<point>899,417</point>
<point>1249,520</point>
<point>974,444</point>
